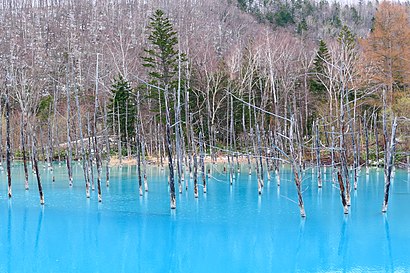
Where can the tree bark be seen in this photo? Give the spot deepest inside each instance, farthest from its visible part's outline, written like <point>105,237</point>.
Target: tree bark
<point>8,144</point>
<point>23,151</point>
<point>319,174</point>
<point>169,151</point>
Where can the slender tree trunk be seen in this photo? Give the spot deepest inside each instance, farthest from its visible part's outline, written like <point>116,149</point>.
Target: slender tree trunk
<point>83,154</point>
<point>90,158</point>
<point>319,174</point>
<point>342,193</point>
<point>97,156</point>
<point>389,164</point>
<point>69,151</point>
<point>195,174</point>
<point>50,150</point>
<point>138,145</point>
<point>376,136</point>
<point>389,151</point>
<point>23,151</point>
<point>169,151</point>
<point>202,161</point>
<point>332,154</point>
<point>8,143</point>
<point>296,171</point>
<point>119,136</point>
<point>107,147</point>
<point>366,133</point>
<point>40,187</point>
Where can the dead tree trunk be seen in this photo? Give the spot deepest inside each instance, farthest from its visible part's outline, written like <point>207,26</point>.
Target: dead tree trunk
<point>90,158</point>
<point>169,151</point>
<point>202,160</point>
<point>83,155</point>
<point>119,136</point>
<point>342,193</point>
<point>69,151</point>
<point>319,175</point>
<point>107,147</point>
<point>138,145</point>
<point>332,154</point>
<point>376,136</point>
<point>97,156</point>
<point>389,165</point>
<point>8,143</point>
<point>39,185</point>
<point>389,151</point>
<point>23,151</point>
<point>195,174</point>
<point>296,171</point>
<point>366,133</point>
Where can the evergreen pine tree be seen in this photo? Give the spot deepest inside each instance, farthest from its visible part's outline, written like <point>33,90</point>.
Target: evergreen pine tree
<point>161,58</point>
<point>319,63</point>
<point>123,102</point>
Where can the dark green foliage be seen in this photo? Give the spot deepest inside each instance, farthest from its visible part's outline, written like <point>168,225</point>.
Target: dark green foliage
<point>283,17</point>
<point>161,58</point>
<point>122,102</point>
<point>302,27</point>
<point>44,108</point>
<point>347,39</point>
<point>319,64</point>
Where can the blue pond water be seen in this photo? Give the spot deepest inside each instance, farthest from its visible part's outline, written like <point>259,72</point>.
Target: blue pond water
<point>228,229</point>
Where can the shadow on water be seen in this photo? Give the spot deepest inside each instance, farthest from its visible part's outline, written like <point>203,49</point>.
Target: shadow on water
<point>300,241</point>
<point>9,235</point>
<point>39,225</point>
<point>388,240</point>
<point>343,242</point>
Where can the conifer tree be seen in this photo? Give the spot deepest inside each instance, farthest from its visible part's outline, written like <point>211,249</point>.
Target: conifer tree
<point>317,85</point>
<point>122,102</point>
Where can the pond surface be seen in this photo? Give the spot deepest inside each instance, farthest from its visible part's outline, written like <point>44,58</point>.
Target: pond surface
<point>228,229</point>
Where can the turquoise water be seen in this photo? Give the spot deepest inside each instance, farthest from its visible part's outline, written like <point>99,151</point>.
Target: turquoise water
<point>228,229</point>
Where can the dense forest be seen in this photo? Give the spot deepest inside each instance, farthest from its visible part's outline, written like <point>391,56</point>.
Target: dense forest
<point>309,83</point>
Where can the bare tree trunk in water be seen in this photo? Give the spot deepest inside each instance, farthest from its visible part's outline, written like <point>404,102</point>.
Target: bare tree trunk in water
<point>96,150</point>
<point>342,193</point>
<point>202,160</point>
<point>319,174</point>
<point>376,136</point>
<point>389,165</point>
<point>69,151</point>
<point>169,151</point>
<point>8,145</point>
<point>256,163</point>
<point>389,151</point>
<point>138,145</point>
<point>90,158</point>
<point>40,187</point>
<point>107,147</point>
<point>296,171</point>
<point>83,155</point>
<point>332,154</point>
<point>97,156</point>
<point>366,133</point>
<point>144,164</point>
<point>23,151</point>
<point>50,150</point>
<point>119,136</point>
<point>195,175</point>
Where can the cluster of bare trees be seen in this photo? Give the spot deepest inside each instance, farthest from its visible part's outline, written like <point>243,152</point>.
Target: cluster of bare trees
<point>242,90</point>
